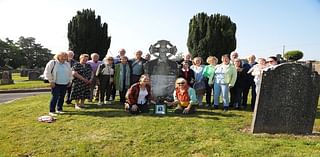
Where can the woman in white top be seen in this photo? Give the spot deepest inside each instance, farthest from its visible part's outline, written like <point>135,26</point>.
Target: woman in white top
<point>105,73</point>
<point>199,85</point>
<point>139,96</point>
<point>58,73</point>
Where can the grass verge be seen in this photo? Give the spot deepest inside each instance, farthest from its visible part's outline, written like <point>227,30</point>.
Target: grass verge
<point>109,131</point>
<point>23,83</point>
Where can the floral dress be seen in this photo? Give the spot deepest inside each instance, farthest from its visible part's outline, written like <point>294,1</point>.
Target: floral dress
<point>79,89</point>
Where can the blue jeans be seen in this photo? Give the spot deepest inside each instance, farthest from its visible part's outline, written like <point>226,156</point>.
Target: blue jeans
<point>224,89</point>
<point>57,99</point>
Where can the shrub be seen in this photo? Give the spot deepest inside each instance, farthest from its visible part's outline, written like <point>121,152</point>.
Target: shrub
<point>293,55</point>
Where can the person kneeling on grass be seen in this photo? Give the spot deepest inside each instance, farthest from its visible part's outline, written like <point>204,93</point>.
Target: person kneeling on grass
<point>184,97</point>
<point>139,96</point>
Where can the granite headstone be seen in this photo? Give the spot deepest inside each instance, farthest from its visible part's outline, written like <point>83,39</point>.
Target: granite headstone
<point>162,71</point>
<point>287,100</point>
<point>24,73</point>
<point>33,75</point>
<point>6,75</point>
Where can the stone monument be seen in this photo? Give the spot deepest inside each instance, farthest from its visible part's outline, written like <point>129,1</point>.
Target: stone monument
<point>287,100</point>
<point>33,75</point>
<point>6,75</point>
<point>162,71</point>
<point>24,72</point>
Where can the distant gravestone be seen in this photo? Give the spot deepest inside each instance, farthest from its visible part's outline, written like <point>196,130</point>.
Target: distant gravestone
<point>163,71</point>
<point>6,75</point>
<point>24,73</point>
<point>33,75</point>
<point>287,100</point>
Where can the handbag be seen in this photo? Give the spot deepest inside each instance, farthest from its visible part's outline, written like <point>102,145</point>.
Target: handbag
<point>199,87</point>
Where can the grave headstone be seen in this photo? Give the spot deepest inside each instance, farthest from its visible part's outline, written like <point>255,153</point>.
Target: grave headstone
<point>24,73</point>
<point>6,76</point>
<point>162,71</point>
<point>34,75</point>
<point>287,100</point>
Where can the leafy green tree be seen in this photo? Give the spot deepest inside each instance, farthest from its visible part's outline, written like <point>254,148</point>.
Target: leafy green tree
<point>34,54</point>
<point>86,34</point>
<point>212,35</point>
<point>293,55</point>
<point>9,51</point>
<point>25,52</point>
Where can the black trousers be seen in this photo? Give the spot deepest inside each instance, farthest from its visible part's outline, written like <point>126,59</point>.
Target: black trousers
<point>68,98</point>
<point>123,95</point>
<point>245,95</point>
<point>105,87</point>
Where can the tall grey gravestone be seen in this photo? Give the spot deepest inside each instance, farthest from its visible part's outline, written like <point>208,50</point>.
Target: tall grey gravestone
<point>162,71</point>
<point>287,100</point>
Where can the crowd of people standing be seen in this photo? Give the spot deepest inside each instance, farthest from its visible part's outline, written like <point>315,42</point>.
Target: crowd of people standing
<point>94,80</point>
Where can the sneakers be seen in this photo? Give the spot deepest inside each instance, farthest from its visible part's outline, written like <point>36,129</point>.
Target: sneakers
<point>100,103</point>
<point>108,102</point>
<point>60,112</point>
<point>77,107</point>
<point>52,114</point>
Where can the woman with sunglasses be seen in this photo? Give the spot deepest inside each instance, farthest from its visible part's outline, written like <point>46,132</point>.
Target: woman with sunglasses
<point>184,97</point>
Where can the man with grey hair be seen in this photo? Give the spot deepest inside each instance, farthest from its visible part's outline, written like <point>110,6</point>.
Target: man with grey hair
<point>233,55</point>
<point>71,61</point>
<point>94,63</point>
<point>137,68</point>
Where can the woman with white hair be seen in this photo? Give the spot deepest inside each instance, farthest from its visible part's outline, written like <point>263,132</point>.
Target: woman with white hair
<point>105,73</point>
<point>58,73</point>
<point>83,75</point>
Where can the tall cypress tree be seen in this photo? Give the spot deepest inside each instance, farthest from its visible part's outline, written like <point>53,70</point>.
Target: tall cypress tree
<point>212,35</point>
<point>86,34</point>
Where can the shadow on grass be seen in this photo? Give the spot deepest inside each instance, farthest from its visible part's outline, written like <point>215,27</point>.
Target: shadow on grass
<point>117,110</point>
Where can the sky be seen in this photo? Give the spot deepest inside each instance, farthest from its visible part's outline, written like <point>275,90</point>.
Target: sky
<point>264,28</point>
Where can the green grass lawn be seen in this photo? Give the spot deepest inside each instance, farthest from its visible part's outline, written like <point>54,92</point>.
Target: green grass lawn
<point>23,83</point>
<point>109,131</point>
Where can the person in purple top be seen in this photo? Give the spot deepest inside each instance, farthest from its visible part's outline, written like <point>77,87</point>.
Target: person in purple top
<point>94,63</point>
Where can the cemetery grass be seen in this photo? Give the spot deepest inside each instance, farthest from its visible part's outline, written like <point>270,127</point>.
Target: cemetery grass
<point>109,131</point>
<point>23,83</point>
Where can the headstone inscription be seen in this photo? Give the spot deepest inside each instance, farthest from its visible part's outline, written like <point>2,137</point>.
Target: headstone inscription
<point>287,100</point>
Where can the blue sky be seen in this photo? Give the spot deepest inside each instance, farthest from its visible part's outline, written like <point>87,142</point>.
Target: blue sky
<point>263,27</point>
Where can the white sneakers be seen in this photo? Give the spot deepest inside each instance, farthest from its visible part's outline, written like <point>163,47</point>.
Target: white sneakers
<point>108,102</point>
<point>52,114</point>
<point>77,107</point>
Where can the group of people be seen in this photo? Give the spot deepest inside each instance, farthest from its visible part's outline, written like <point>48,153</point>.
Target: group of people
<point>232,79</point>
<point>80,79</point>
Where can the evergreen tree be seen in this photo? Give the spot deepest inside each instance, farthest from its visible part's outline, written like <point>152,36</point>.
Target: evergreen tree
<point>86,34</point>
<point>212,35</point>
